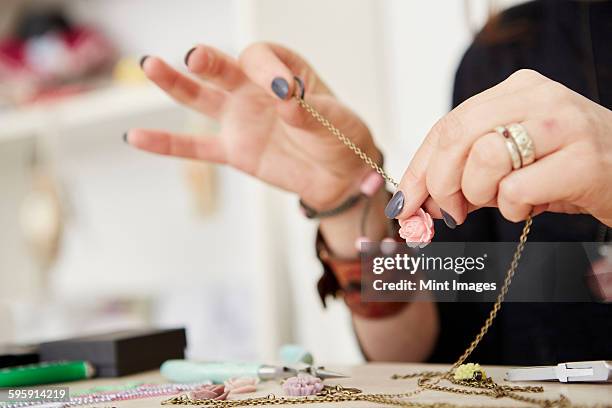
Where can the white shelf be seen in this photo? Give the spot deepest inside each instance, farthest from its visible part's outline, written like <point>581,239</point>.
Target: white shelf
<point>105,104</point>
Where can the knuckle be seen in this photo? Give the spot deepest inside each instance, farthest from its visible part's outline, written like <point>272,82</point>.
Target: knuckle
<point>259,46</point>
<point>510,191</point>
<point>294,116</point>
<point>556,94</point>
<point>215,64</point>
<point>471,192</point>
<point>511,213</point>
<point>525,74</point>
<point>253,50</point>
<point>551,126</point>
<point>488,152</point>
<point>586,122</point>
<point>577,123</point>
<point>411,176</point>
<point>591,189</point>
<point>475,193</point>
<point>448,130</point>
<point>435,188</point>
<point>582,124</point>
<point>586,160</point>
<point>598,181</point>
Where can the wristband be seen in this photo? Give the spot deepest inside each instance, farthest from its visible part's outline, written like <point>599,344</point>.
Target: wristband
<point>342,277</point>
<point>371,183</point>
<point>349,203</point>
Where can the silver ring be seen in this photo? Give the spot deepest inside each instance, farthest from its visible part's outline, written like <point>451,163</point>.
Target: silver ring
<point>515,155</point>
<point>523,142</point>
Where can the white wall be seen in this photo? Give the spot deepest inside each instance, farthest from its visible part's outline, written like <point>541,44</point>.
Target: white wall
<point>161,27</point>
<point>425,42</point>
<point>391,61</point>
<point>131,229</point>
<point>134,233</point>
<point>346,53</point>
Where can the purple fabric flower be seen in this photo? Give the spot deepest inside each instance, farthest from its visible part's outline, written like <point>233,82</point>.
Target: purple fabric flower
<point>302,385</point>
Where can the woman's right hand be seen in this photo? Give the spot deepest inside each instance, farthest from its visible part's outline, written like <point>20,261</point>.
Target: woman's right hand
<point>264,132</point>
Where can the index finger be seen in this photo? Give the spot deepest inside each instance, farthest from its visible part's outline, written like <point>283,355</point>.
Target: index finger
<point>273,67</point>
<point>413,186</point>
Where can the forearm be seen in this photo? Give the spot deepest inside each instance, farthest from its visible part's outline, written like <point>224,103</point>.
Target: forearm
<point>341,231</point>
<point>408,335</point>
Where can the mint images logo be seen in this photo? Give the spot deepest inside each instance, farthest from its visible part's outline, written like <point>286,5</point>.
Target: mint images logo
<point>406,273</point>
<point>423,263</point>
<point>432,285</point>
<point>474,271</point>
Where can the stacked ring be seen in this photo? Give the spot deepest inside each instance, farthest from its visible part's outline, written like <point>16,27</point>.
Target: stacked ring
<point>519,144</point>
<point>515,155</point>
<point>523,142</point>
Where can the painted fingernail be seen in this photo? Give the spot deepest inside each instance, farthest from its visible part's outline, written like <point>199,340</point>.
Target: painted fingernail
<point>280,87</point>
<point>448,219</point>
<point>395,205</point>
<point>125,137</point>
<point>142,61</point>
<point>187,55</point>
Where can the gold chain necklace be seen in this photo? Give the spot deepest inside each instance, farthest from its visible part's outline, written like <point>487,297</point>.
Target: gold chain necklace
<point>427,380</point>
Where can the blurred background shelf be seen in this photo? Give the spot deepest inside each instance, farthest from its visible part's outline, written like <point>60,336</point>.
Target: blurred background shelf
<point>87,109</point>
<point>135,250</point>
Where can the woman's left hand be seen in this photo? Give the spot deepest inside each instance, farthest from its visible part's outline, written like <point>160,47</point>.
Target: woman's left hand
<point>463,164</point>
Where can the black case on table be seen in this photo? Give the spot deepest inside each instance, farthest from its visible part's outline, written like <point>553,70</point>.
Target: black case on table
<point>15,355</point>
<point>120,353</point>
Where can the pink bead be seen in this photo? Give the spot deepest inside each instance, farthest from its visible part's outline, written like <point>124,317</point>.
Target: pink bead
<point>388,246</point>
<point>371,184</point>
<point>359,241</point>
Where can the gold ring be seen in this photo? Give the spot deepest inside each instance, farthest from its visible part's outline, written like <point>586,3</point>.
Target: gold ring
<point>523,142</point>
<point>513,149</point>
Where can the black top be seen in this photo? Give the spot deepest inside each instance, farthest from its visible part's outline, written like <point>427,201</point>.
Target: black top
<point>569,42</point>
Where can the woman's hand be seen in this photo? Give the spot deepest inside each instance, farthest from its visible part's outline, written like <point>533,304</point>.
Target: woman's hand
<point>463,164</point>
<point>264,132</point>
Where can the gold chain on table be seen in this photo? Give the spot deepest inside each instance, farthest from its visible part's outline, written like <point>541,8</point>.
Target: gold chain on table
<point>427,380</point>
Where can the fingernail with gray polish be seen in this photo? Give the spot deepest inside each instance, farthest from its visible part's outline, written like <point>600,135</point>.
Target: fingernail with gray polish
<point>395,205</point>
<point>125,139</point>
<point>448,219</point>
<point>142,61</point>
<point>188,55</point>
<point>280,87</point>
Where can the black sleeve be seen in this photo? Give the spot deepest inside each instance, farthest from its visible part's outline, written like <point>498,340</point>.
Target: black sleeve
<point>535,333</point>
<point>460,322</point>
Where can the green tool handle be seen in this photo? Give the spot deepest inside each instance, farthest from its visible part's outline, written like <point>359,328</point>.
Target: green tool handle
<point>45,373</point>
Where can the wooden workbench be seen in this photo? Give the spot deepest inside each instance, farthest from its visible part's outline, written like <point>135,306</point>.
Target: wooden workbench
<point>375,378</point>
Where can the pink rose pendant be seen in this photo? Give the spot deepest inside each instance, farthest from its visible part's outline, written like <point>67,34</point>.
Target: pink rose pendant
<point>417,230</point>
<point>212,392</point>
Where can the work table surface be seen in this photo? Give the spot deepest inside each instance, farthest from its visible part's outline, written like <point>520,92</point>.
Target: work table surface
<point>376,378</point>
